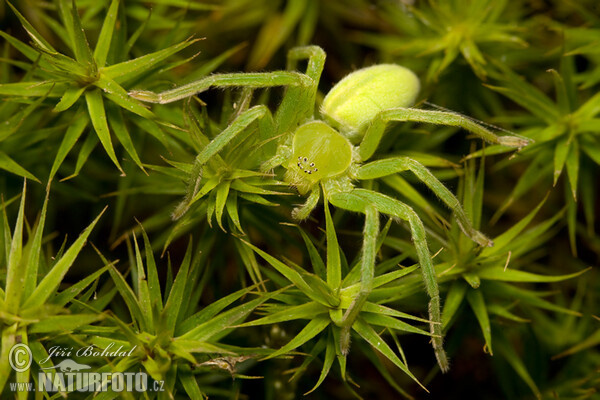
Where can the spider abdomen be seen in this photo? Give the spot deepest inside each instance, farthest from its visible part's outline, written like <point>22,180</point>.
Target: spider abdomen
<point>355,100</point>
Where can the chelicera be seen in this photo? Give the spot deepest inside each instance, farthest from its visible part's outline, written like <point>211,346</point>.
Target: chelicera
<point>326,157</point>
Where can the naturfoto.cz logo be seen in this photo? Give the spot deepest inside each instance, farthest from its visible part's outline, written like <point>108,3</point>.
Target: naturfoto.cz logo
<point>68,375</point>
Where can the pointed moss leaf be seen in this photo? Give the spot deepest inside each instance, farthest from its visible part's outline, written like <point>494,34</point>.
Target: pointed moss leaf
<point>562,99</point>
<point>275,30</point>
<point>504,240</point>
<point>503,312</point>
<point>53,278</point>
<point>175,299</point>
<point>72,291</point>
<point>143,293</point>
<point>98,117</point>
<point>232,211</point>
<point>454,299</point>
<point>352,278</point>
<point>312,329</point>
<point>114,92</point>
<point>128,295</point>
<point>38,39</point>
<point>84,152</point>
<point>71,95</point>
<point>106,34</point>
<point>10,165</point>
<point>377,362</point>
<point>8,340</point>
<point>130,69</point>
<point>314,352</point>
<point>477,303</point>
<point>64,11</point>
<point>15,279</point>
<point>560,156</point>
<point>28,51</point>
<point>82,50</point>
<point>220,198</point>
<point>591,147</point>
<point>320,287</point>
<point>220,325</point>
<point>530,97</point>
<point>589,109</point>
<point>391,323</point>
<point>16,120</point>
<point>245,187</point>
<point>254,198</point>
<point>62,323</point>
<point>348,293</point>
<point>592,340</point>
<point>33,89</point>
<point>516,362</point>
<point>315,258</point>
<point>117,123</point>
<point>32,267</point>
<point>334,269</point>
<point>190,385</point>
<point>153,281</point>
<point>511,275</point>
<point>212,309</point>
<point>327,363</point>
<point>303,311</point>
<point>525,296</point>
<point>488,151</point>
<point>383,310</point>
<point>573,167</point>
<point>292,275</point>
<point>369,334</point>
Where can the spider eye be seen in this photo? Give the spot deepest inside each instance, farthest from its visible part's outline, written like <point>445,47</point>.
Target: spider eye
<point>355,100</point>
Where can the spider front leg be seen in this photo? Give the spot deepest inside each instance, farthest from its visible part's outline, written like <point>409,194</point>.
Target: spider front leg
<point>255,80</point>
<point>389,166</point>
<point>377,127</point>
<point>359,200</point>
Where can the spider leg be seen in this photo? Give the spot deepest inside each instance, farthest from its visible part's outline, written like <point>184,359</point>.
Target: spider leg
<point>298,103</point>
<point>376,129</point>
<point>358,200</point>
<point>302,212</point>
<point>260,113</point>
<point>369,250</point>
<point>255,80</point>
<point>394,165</point>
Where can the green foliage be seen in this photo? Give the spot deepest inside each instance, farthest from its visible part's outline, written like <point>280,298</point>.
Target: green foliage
<point>31,306</point>
<point>268,229</point>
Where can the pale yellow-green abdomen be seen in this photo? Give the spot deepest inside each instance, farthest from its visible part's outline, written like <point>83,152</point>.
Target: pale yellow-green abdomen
<point>354,101</point>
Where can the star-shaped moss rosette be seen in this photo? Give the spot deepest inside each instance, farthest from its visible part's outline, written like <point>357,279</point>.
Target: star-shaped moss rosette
<point>219,191</point>
<point>86,82</point>
<point>565,134</point>
<point>334,306</point>
<point>495,283</point>
<point>442,31</point>
<point>172,338</point>
<point>32,307</point>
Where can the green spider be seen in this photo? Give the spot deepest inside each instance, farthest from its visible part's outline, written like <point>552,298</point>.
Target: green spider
<point>324,157</point>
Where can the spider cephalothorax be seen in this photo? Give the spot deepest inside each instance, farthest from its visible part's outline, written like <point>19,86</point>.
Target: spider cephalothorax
<point>319,153</point>
<point>324,157</point>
